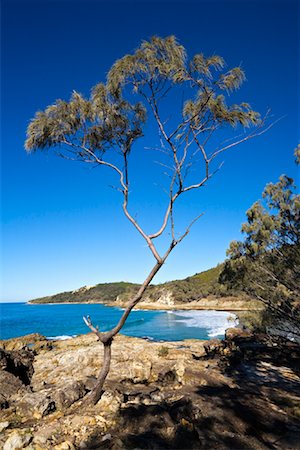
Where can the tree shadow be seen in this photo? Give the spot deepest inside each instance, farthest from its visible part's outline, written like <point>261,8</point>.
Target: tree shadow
<point>177,425</point>
<point>249,412</point>
<point>220,417</point>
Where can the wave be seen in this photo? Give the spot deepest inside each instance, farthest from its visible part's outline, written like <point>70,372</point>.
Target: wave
<point>63,337</point>
<point>135,322</point>
<point>214,322</point>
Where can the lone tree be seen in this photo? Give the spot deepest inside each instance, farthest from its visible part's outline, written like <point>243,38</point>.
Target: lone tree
<point>186,100</point>
<point>266,264</point>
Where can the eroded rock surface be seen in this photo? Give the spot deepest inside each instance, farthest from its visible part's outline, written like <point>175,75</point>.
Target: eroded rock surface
<point>158,395</point>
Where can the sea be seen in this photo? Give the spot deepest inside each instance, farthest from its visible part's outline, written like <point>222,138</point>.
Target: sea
<point>63,321</point>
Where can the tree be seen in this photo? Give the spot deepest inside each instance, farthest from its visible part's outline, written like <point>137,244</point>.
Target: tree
<point>103,129</point>
<point>266,265</point>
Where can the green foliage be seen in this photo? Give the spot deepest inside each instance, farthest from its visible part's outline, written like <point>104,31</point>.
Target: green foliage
<point>97,123</point>
<point>297,154</point>
<point>266,264</point>
<point>107,120</point>
<point>161,61</point>
<point>102,293</point>
<point>190,289</point>
<point>163,351</point>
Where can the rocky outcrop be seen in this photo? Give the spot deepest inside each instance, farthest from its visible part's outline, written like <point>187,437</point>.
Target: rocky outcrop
<point>170,395</point>
<point>16,370</point>
<point>19,363</point>
<point>34,341</point>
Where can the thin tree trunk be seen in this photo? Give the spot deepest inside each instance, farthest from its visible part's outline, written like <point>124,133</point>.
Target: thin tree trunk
<point>97,390</point>
<point>107,337</point>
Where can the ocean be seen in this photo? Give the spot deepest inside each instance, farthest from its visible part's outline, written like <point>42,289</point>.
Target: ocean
<point>62,321</point>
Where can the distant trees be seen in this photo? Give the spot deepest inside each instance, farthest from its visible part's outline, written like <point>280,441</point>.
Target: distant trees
<point>186,99</point>
<point>266,265</point>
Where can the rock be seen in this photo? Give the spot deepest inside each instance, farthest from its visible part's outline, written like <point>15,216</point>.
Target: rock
<point>64,446</point>
<point>89,383</point>
<point>106,438</point>
<point>37,404</point>
<point>3,402</point>
<point>236,333</point>
<point>22,342</point>
<point>167,375</point>
<point>9,386</point>
<point>180,370</point>
<point>44,434</point>
<point>157,397</point>
<point>140,371</point>
<point>3,426</point>
<point>69,394</point>
<point>19,363</point>
<point>110,402</point>
<point>17,440</point>
<point>213,347</point>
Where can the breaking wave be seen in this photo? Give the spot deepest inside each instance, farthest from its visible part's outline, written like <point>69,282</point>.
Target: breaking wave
<point>215,322</point>
<point>63,337</point>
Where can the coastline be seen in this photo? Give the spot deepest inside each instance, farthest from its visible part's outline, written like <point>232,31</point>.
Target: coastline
<point>227,304</point>
<point>162,323</point>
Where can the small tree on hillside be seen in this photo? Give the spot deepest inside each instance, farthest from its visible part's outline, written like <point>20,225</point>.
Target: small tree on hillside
<point>186,100</point>
<point>266,265</point>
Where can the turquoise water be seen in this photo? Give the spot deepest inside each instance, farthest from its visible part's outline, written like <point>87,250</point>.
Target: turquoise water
<point>65,320</point>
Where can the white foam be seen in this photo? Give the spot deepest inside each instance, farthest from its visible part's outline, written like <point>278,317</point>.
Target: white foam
<point>215,322</point>
<point>64,337</point>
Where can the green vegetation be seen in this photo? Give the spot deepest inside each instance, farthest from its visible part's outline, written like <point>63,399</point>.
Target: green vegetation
<point>193,288</point>
<point>266,265</point>
<point>101,293</point>
<point>163,351</point>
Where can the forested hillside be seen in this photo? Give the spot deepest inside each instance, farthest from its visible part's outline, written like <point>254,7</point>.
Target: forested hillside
<point>190,289</point>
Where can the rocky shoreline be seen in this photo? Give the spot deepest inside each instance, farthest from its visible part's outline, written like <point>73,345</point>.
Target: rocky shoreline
<point>241,392</point>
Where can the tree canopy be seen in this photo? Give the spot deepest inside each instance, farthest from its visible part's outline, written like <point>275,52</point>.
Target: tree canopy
<point>108,120</point>
<point>266,264</point>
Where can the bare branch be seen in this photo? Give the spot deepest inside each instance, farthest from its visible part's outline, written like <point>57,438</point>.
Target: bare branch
<point>88,322</point>
<point>251,135</point>
<point>188,228</point>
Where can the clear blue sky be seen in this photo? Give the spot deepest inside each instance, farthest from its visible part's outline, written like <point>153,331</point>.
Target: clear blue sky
<point>62,226</point>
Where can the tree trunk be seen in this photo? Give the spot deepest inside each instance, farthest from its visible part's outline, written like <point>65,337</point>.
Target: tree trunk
<point>97,391</point>
<point>107,337</point>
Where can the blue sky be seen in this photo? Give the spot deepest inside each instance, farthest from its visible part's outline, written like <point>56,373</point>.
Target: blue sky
<point>62,225</point>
